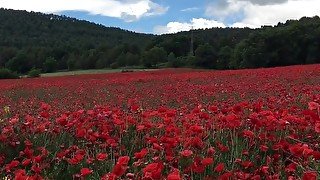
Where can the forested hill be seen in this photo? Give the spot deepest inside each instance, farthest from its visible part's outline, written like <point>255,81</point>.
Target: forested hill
<point>51,42</point>
<point>38,36</point>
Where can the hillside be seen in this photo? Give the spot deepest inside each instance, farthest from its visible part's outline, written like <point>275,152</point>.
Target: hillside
<point>51,42</point>
<point>39,36</point>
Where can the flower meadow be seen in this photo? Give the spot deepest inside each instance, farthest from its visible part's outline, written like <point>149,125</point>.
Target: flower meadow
<point>167,124</point>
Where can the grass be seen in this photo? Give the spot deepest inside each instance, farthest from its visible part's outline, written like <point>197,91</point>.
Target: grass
<point>90,71</point>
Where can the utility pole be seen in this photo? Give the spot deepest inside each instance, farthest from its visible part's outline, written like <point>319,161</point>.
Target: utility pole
<point>191,43</point>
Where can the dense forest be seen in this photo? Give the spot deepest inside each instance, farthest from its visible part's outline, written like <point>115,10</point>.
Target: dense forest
<point>50,42</point>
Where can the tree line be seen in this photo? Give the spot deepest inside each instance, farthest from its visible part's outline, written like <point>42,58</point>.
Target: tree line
<point>30,40</point>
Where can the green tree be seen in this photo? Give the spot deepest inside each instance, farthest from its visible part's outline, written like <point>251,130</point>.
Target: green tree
<point>173,61</point>
<point>72,62</point>
<point>19,63</point>
<point>206,56</point>
<point>33,73</point>
<point>154,56</point>
<point>50,65</point>
<point>132,59</point>
<point>224,57</point>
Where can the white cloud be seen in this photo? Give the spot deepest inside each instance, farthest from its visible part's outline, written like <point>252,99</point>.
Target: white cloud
<point>262,12</point>
<point>128,10</point>
<point>221,9</point>
<point>195,23</point>
<point>265,2</point>
<point>190,9</point>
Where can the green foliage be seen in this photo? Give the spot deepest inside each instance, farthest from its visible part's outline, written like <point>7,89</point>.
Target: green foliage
<point>73,44</point>
<point>224,56</point>
<point>114,65</point>
<point>206,56</point>
<point>33,73</point>
<point>50,65</point>
<point>7,74</point>
<point>19,63</point>
<point>190,61</point>
<point>71,62</point>
<point>154,56</point>
<point>176,62</point>
<point>295,42</point>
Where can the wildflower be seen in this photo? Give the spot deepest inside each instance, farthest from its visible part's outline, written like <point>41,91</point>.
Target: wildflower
<point>85,171</point>
<point>186,153</point>
<point>101,156</point>
<point>309,175</point>
<point>207,161</point>
<point>219,168</point>
<point>6,110</point>
<point>313,106</point>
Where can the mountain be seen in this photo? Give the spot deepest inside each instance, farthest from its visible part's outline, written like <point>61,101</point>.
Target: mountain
<point>51,42</point>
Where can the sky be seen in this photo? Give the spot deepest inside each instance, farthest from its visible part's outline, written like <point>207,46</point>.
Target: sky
<point>171,16</point>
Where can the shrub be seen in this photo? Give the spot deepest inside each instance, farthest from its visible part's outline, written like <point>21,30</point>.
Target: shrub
<point>50,65</point>
<point>34,73</point>
<point>114,65</point>
<point>8,74</point>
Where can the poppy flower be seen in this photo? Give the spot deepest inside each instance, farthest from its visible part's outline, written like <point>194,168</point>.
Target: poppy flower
<point>207,161</point>
<point>101,156</point>
<point>85,171</point>
<point>153,170</point>
<point>219,168</point>
<point>175,175</point>
<point>109,176</point>
<point>141,154</point>
<point>309,175</point>
<point>313,106</point>
<point>123,160</point>
<point>119,169</point>
<point>248,134</point>
<point>12,165</point>
<point>186,153</point>
<point>26,162</point>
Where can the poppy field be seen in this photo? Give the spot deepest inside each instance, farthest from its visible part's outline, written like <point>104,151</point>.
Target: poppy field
<point>167,124</point>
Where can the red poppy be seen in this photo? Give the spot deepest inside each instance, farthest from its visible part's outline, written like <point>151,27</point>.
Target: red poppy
<point>309,175</point>
<point>12,165</point>
<point>186,153</point>
<point>291,167</point>
<point>175,175</point>
<point>101,156</point>
<point>219,168</point>
<point>109,176</point>
<point>123,160</point>
<point>85,171</point>
<point>141,154</point>
<point>264,148</point>
<point>20,174</point>
<point>153,170</point>
<point>119,169</point>
<point>313,106</point>
<point>225,176</point>
<point>207,161</point>
<point>26,162</point>
<point>248,134</point>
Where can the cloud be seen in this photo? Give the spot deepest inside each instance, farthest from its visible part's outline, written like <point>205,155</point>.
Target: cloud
<point>128,10</point>
<point>190,9</point>
<point>265,2</point>
<point>222,9</point>
<point>257,13</point>
<point>195,23</point>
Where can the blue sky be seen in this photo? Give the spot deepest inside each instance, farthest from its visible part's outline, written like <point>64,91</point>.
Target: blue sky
<point>170,16</point>
<point>178,11</point>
